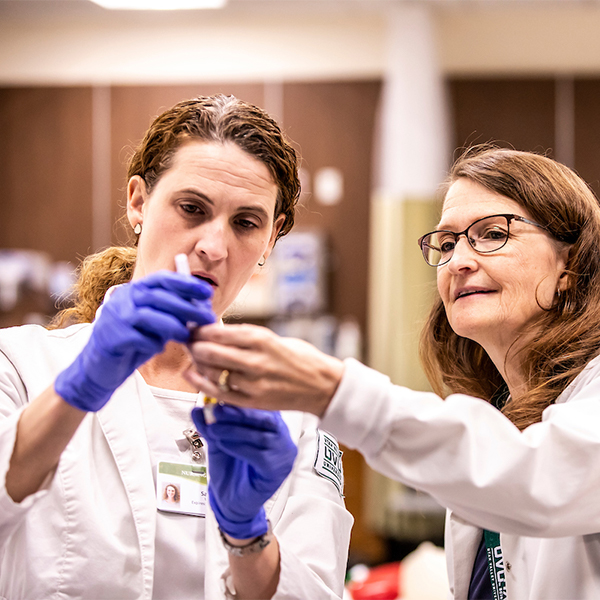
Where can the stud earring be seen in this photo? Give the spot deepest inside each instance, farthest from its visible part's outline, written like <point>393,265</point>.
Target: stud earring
<point>137,229</point>
<point>262,261</point>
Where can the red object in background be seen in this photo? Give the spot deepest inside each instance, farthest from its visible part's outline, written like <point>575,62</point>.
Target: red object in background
<point>382,583</point>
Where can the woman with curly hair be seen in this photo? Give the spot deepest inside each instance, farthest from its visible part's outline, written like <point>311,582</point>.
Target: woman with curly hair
<point>97,415</point>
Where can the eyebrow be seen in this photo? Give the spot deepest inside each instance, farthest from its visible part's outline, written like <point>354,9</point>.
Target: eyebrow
<point>194,192</point>
<point>445,227</point>
<point>252,208</point>
<point>440,227</point>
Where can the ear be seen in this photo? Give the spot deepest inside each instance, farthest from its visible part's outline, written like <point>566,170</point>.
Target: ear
<point>565,279</point>
<point>136,198</point>
<point>276,229</point>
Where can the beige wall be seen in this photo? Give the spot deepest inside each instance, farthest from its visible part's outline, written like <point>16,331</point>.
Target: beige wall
<point>96,46</point>
<point>542,37</point>
<point>192,47</point>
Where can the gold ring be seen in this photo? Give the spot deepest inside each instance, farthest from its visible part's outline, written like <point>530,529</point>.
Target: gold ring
<point>224,381</point>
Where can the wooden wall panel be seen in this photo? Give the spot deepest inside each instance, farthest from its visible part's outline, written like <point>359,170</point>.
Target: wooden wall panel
<point>133,108</point>
<point>46,170</point>
<point>517,113</point>
<point>333,126</point>
<point>587,131</point>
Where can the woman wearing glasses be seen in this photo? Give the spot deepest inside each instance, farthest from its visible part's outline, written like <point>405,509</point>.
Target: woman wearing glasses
<point>512,344</point>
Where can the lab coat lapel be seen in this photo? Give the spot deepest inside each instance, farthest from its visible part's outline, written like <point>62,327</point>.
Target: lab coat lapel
<point>462,543</point>
<point>122,423</point>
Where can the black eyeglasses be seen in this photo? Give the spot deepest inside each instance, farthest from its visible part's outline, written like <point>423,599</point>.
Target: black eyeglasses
<point>484,235</point>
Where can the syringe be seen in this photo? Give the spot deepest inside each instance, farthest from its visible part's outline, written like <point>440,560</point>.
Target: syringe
<point>182,266</point>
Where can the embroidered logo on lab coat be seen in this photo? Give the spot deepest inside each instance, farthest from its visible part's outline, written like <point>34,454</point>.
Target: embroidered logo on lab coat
<point>328,461</point>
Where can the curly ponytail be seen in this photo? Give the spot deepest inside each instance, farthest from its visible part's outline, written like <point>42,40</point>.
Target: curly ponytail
<point>97,273</point>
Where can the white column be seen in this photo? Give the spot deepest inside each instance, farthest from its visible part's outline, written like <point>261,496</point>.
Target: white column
<point>412,152</point>
<point>412,159</point>
<point>413,137</point>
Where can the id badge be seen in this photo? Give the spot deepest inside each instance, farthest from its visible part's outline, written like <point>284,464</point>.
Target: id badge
<point>181,488</point>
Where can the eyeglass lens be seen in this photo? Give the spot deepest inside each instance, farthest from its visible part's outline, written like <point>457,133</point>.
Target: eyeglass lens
<point>485,235</point>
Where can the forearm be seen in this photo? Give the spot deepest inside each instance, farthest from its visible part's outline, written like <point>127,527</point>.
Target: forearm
<point>255,576</point>
<point>45,428</point>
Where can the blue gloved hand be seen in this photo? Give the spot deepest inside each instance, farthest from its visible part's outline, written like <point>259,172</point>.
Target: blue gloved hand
<point>133,325</point>
<point>250,453</point>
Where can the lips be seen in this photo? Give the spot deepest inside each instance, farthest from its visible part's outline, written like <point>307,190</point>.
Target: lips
<point>463,293</point>
<point>206,278</point>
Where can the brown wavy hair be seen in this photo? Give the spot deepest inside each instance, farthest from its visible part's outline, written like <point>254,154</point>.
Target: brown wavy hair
<point>219,118</point>
<point>567,335</point>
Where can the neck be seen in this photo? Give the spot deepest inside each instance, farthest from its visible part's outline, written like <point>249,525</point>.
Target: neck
<point>165,370</point>
<point>508,362</point>
<point>516,383</point>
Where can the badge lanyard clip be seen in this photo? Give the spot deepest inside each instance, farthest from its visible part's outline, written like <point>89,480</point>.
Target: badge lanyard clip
<point>195,442</point>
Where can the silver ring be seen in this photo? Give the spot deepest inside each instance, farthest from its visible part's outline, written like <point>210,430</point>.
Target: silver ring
<point>223,383</point>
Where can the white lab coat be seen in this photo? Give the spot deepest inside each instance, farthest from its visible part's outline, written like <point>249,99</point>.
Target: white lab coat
<point>540,488</point>
<point>89,532</point>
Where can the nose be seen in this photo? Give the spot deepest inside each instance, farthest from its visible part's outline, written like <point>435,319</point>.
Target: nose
<point>463,257</point>
<point>212,240</point>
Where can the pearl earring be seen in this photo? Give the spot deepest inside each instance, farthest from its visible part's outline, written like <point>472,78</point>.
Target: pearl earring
<point>137,229</point>
<point>262,261</point>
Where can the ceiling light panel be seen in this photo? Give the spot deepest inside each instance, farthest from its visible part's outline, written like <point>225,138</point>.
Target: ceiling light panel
<point>160,4</point>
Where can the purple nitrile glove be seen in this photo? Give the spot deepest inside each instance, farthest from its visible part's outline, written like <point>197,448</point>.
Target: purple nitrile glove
<point>250,453</point>
<point>133,325</point>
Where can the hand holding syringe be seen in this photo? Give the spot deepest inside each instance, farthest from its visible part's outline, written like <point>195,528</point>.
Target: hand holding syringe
<point>182,266</point>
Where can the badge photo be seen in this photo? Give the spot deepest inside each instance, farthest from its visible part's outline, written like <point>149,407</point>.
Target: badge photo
<point>181,488</point>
